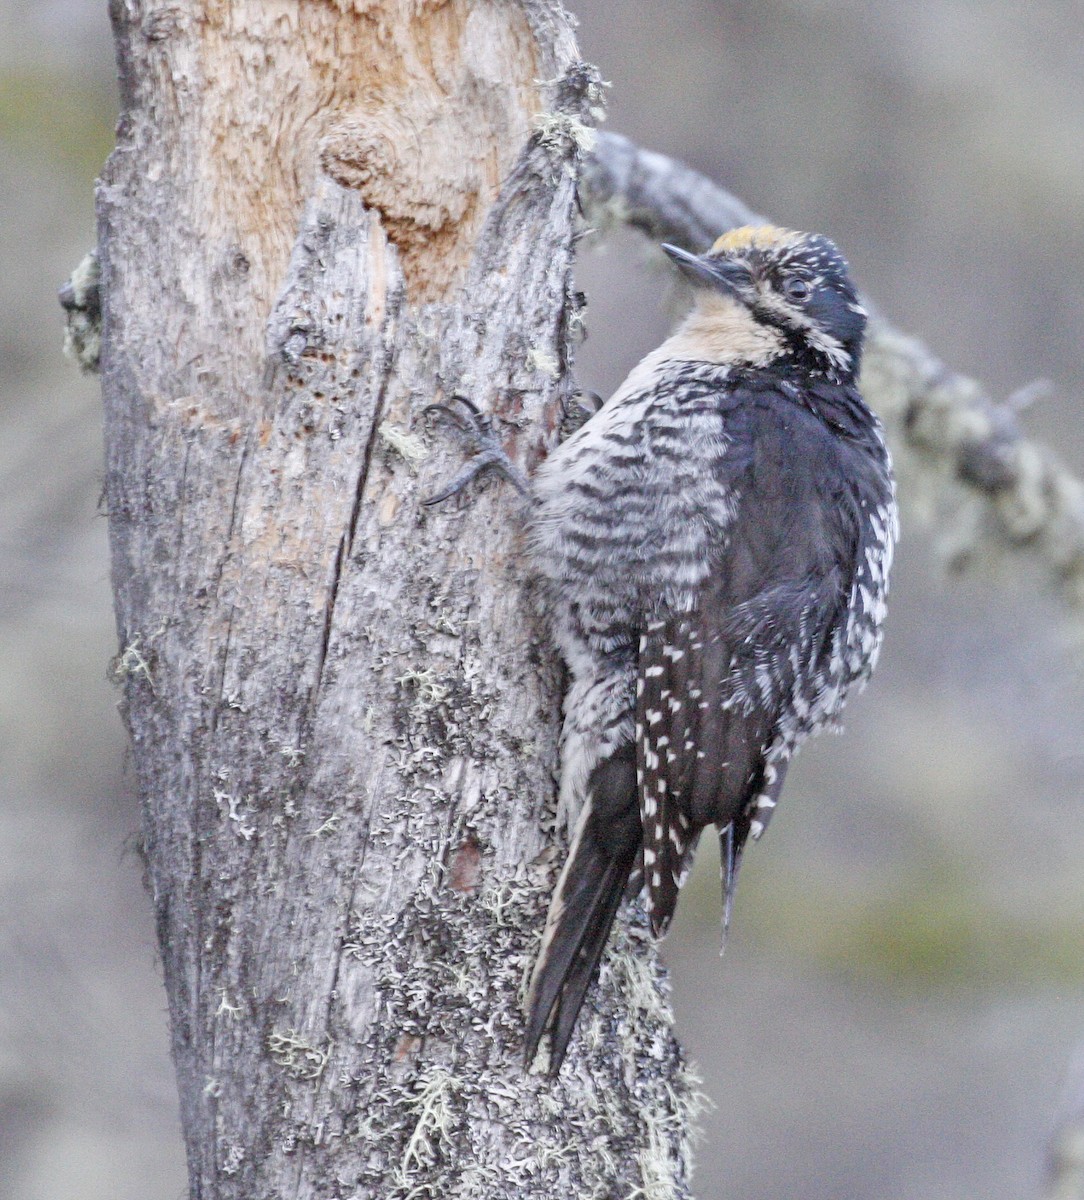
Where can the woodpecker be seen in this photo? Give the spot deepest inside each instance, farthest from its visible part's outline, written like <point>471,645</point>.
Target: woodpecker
<point>714,544</point>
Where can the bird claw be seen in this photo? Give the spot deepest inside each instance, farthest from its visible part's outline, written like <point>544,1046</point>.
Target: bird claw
<point>476,429</point>
<point>577,408</point>
<point>475,421</point>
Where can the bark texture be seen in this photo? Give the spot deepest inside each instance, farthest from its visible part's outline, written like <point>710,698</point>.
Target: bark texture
<point>322,216</point>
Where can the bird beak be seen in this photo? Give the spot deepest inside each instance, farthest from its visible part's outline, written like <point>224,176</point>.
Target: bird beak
<point>723,274</point>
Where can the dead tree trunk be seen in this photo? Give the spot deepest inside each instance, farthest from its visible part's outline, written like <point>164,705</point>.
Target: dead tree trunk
<point>320,218</point>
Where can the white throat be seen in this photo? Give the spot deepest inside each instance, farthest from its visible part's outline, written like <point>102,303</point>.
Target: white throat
<point>722,330</point>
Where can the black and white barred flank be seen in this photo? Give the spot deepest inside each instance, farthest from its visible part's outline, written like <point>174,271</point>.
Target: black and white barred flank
<point>716,543</point>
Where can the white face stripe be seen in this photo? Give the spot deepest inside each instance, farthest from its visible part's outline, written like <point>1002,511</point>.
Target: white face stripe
<point>820,340</point>
<point>830,347</point>
<point>810,256</point>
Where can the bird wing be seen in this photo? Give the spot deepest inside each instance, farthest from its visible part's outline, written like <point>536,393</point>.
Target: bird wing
<point>715,682</point>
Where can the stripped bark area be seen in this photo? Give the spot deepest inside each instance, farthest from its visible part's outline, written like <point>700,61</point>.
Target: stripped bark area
<point>322,217</point>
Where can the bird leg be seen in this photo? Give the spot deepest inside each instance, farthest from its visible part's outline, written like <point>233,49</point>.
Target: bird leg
<point>476,430</point>
<point>577,408</point>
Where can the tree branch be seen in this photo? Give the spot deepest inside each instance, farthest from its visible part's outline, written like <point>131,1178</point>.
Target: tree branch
<point>952,441</point>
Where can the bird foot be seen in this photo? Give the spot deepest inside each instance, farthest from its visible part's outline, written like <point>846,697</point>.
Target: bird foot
<point>476,430</point>
<point>577,408</point>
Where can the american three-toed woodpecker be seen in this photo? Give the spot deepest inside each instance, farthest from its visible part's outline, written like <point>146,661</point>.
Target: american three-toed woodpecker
<point>715,545</point>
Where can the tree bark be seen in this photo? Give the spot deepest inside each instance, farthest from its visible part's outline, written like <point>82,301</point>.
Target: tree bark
<point>321,217</point>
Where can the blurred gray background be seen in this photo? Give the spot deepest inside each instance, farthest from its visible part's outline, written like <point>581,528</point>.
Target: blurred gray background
<point>904,985</point>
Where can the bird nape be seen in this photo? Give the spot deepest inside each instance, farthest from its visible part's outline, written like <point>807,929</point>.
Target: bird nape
<point>714,546</point>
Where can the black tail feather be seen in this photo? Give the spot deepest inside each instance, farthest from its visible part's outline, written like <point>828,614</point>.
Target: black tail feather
<point>585,965</point>
<point>733,836</point>
<point>584,905</point>
<point>569,916</point>
<point>581,915</point>
<point>731,845</point>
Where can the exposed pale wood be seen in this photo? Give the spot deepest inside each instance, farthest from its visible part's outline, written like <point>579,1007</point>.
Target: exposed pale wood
<point>320,218</point>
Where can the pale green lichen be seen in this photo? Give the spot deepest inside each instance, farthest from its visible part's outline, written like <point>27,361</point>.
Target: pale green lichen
<point>238,810</point>
<point>235,1156</point>
<point>444,1107</point>
<point>294,755</point>
<point>432,1104</point>
<point>132,662</point>
<point>83,323</point>
<point>410,448</point>
<point>522,1134</point>
<point>425,683</point>
<point>562,132</point>
<point>543,362</point>
<point>328,826</point>
<point>225,1007</point>
<point>295,1055</point>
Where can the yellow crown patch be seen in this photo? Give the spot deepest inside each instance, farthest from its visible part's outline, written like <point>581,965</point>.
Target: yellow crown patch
<point>753,237</point>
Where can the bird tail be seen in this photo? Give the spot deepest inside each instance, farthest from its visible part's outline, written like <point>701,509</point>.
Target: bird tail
<point>585,902</point>
<point>751,821</point>
<point>731,846</point>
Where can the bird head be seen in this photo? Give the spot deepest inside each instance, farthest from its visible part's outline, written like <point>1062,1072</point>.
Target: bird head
<point>792,289</point>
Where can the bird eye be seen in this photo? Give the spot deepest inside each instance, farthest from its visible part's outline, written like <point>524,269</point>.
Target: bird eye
<point>796,288</point>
